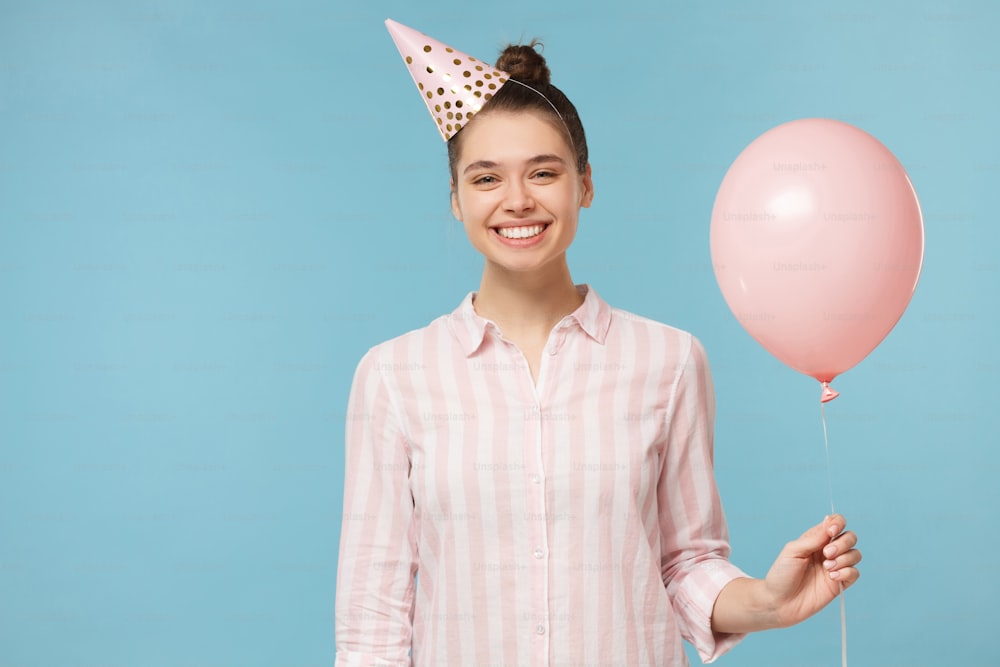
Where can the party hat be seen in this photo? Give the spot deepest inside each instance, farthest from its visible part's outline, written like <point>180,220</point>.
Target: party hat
<point>453,85</point>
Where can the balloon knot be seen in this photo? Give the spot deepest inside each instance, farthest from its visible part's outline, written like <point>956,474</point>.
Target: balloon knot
<point>828,394</point>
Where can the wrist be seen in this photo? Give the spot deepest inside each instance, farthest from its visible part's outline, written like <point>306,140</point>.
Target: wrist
<point>745,605</point>
<point>768,607</point>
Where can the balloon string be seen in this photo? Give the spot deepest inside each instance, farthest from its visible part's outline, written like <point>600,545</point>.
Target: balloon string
<point>829,482</point>
<point>826,446</point>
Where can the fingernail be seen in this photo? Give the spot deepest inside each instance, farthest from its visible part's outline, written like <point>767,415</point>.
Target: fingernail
<point>835,575</point>
<point>828,564</point>
<point>829,550</point>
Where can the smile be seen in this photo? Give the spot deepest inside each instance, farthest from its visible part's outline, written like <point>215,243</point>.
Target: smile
<point>520,232</point>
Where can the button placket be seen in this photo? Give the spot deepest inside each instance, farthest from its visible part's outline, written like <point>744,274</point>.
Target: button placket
<point>536,518</point>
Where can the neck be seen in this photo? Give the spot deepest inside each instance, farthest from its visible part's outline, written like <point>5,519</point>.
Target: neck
<point>527,304</point>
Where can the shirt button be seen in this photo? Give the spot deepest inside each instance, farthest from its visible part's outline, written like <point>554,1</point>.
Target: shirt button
<point>539,553</point>
<point>536,478</point>
<point>540,629</point>
<point>552,349</point>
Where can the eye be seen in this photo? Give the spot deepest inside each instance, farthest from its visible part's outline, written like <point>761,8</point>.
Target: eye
<point>484,180</point>
<point>544,174</point>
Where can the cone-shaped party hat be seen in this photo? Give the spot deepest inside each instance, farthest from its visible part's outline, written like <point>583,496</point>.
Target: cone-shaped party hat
<point>453,85</point>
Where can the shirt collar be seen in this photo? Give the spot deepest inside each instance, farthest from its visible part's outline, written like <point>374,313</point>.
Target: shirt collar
<point>593,316</point>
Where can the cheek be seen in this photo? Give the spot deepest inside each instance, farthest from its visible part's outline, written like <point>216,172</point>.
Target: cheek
<point>475,206</point>
<point>476,236</point>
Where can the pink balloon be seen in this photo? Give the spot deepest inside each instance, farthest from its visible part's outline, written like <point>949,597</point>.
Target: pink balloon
<point>817,243</point>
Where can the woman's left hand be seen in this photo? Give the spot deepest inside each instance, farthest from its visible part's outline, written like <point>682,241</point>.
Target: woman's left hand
<point>809,572</point>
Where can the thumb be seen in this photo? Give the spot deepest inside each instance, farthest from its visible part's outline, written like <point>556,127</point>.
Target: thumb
<point>816,537</point>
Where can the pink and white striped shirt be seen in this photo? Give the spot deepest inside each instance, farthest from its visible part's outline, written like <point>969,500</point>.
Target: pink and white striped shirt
<point>576,522</point>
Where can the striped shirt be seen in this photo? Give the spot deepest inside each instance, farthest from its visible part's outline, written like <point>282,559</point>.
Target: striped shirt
<point>492,521</point>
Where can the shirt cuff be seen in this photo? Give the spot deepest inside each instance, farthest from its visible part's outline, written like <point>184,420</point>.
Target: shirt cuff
<point>697,599</point>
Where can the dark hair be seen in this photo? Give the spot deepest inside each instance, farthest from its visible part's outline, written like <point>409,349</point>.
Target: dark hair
<point>527,66</point>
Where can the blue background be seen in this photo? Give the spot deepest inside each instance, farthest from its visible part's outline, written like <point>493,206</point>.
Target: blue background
<point>210,211</point>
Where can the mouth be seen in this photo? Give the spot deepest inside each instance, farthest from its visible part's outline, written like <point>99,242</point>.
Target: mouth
<point>520,233</point>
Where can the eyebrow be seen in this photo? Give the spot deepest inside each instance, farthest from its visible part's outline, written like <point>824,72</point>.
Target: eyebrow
<point>538,159</point>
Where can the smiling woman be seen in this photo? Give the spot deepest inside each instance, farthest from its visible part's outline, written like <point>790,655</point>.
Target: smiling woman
<point>519,197</point>
<point>542,460</point>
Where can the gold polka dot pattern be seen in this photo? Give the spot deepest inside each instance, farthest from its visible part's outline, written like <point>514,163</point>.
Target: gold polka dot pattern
<point>448,79</point>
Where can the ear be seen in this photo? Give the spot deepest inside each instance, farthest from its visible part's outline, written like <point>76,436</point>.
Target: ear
<point>587,183</point>
<point>456,210</point>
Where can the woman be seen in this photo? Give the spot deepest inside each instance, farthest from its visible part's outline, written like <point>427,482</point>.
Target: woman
<point>529,478</point>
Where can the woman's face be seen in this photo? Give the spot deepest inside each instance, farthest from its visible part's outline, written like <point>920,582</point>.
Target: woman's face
<point>517,190</point>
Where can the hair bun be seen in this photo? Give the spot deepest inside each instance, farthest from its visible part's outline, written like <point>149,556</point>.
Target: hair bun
<point>524,63</point>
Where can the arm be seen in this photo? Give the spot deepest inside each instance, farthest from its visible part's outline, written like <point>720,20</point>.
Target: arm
<point>694,537</point>
<point>377,563</point>
<point>806,576</point>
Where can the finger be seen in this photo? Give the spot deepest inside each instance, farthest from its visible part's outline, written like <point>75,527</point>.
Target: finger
<point>845,576</point>
<point>841,544</point>
<point>816,537</point>
<point>847,560</point>
<point>835,524</point>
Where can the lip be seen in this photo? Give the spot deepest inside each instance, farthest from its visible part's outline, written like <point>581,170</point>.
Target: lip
<point>520,243</point>
<point>519,223</point>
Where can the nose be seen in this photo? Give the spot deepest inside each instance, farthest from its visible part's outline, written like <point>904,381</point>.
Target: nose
<point>517,197</point>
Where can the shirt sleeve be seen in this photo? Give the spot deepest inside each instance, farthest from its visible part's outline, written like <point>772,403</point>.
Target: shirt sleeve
<point>378,554</point>
<point>695,557</point>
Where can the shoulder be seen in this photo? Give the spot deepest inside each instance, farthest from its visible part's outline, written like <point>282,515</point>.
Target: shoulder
<point>659,333</point>
<point>408,350</point>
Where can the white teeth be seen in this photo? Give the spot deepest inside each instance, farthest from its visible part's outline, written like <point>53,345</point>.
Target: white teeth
<point>520,232</point>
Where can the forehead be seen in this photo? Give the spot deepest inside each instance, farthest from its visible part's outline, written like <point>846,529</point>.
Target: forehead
<point>500,135</point>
